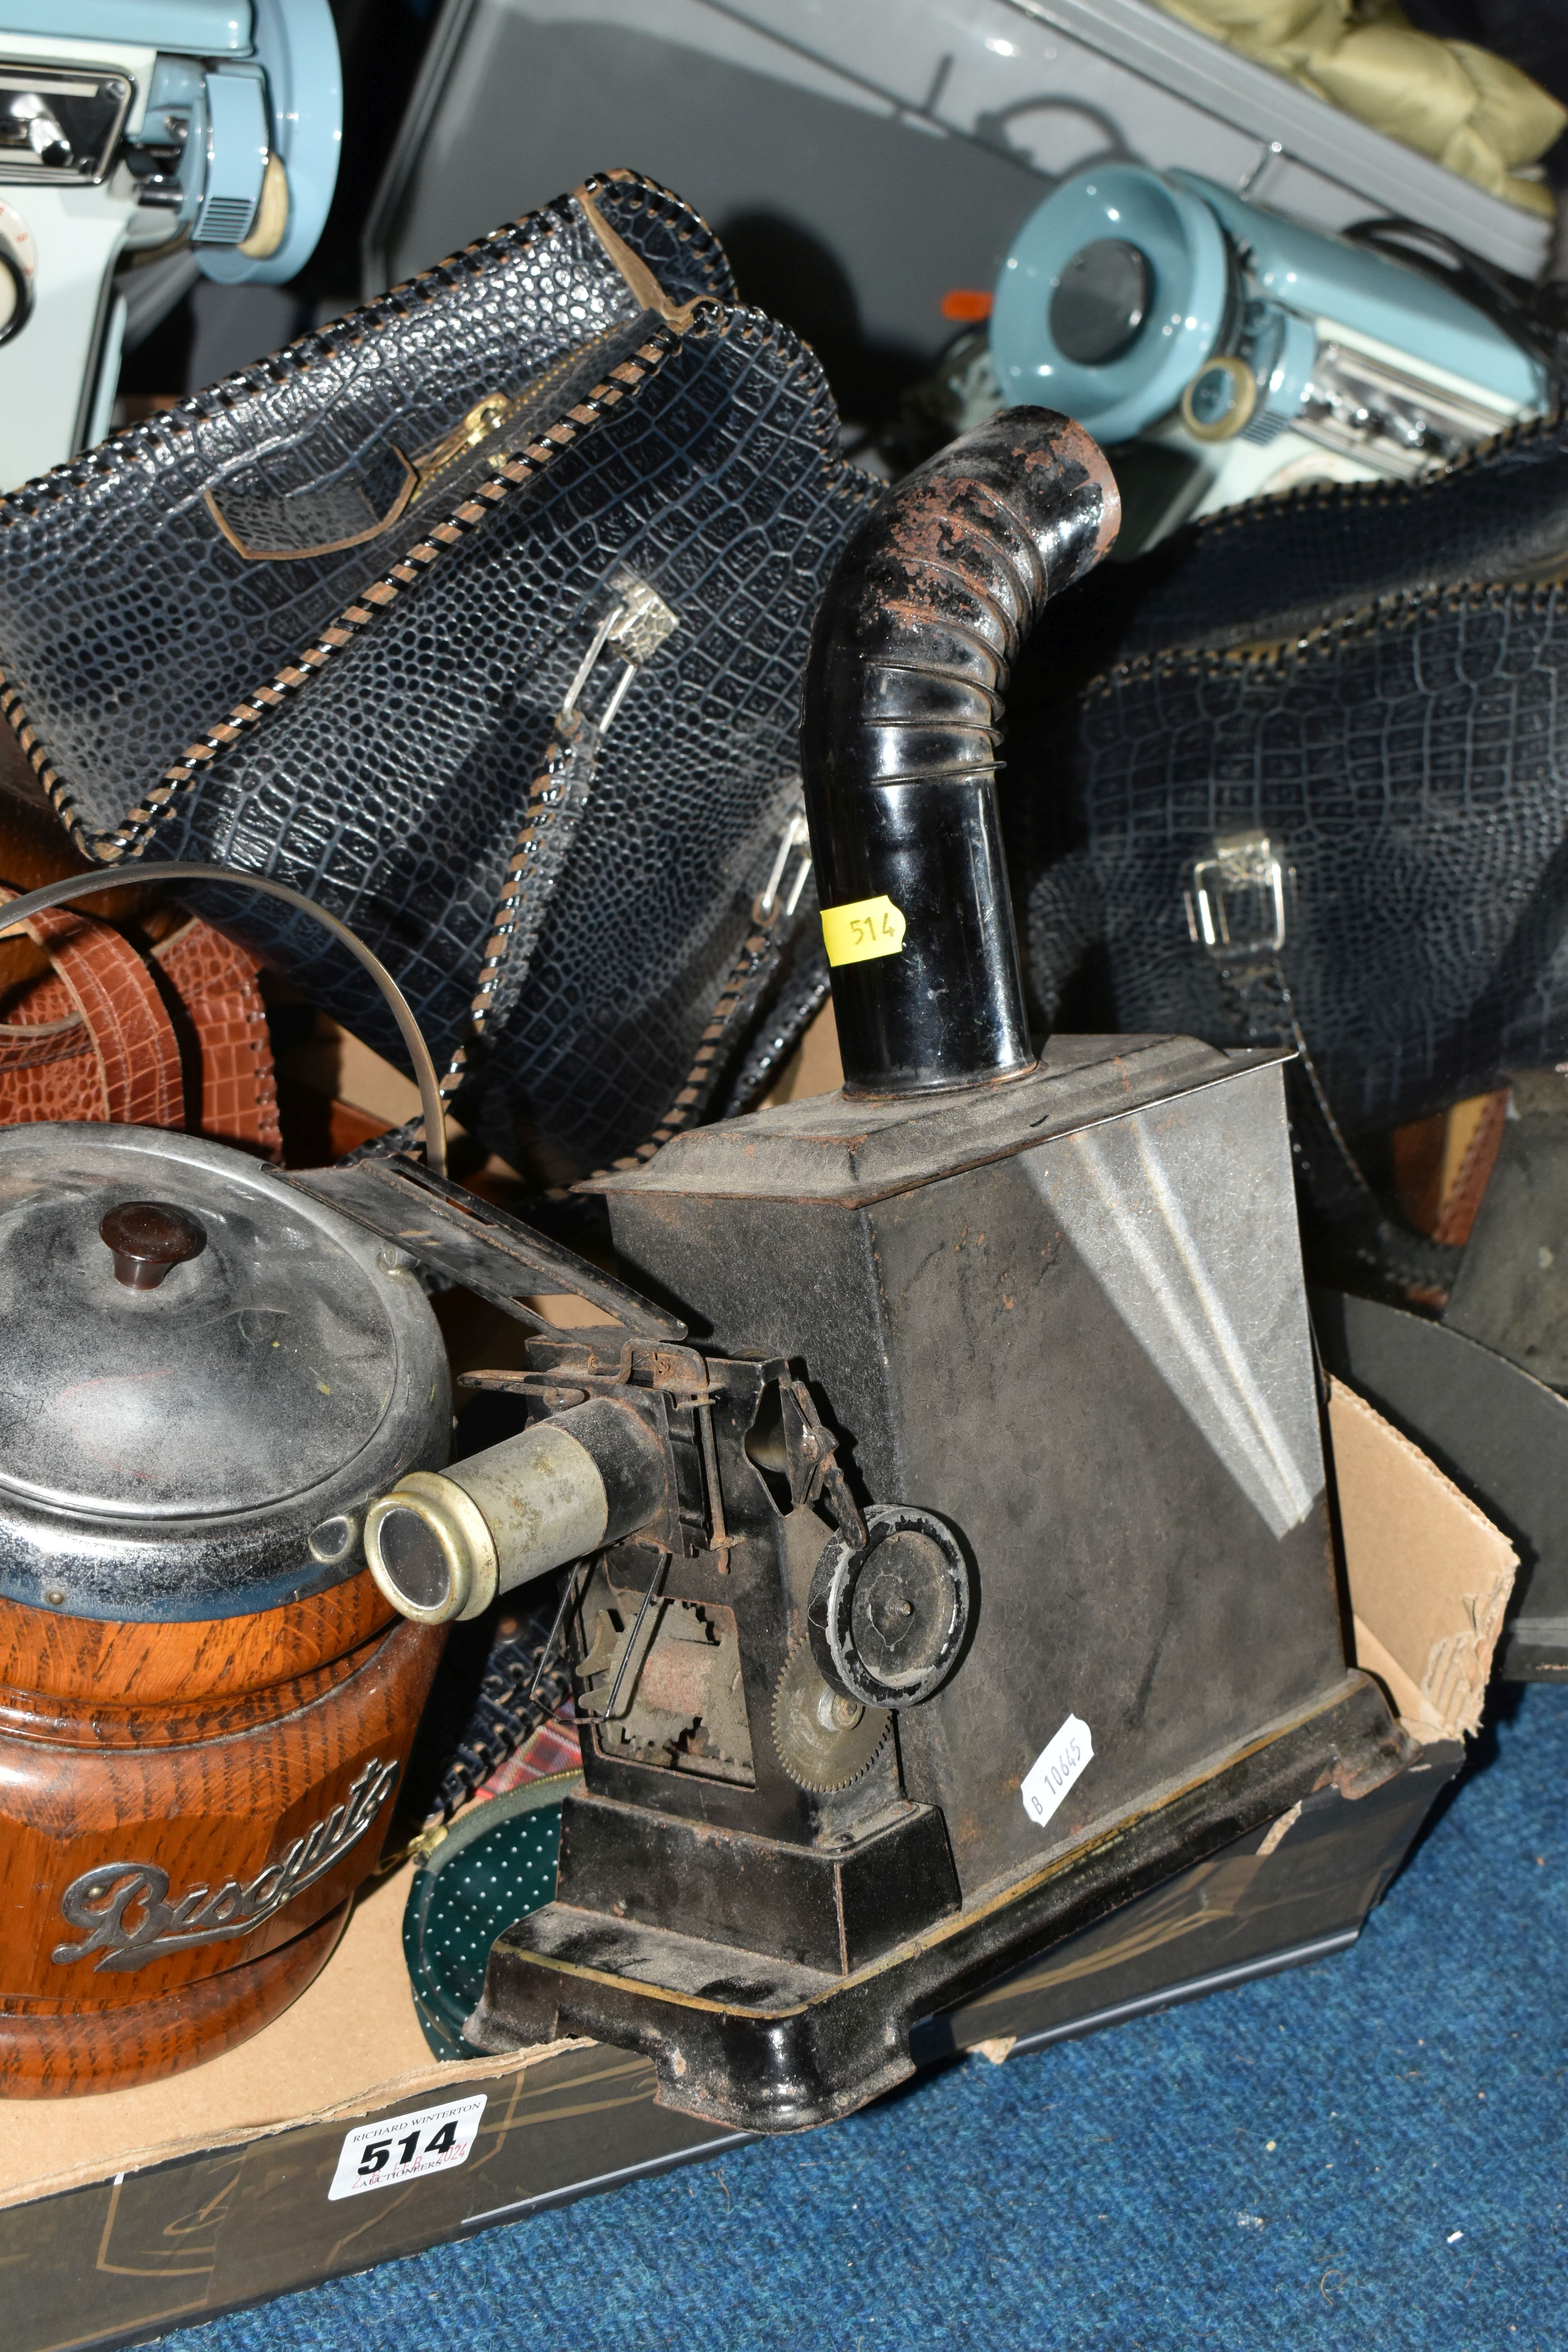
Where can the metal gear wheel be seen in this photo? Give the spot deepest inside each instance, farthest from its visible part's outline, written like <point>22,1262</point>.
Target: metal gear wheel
<point>823,1741</point>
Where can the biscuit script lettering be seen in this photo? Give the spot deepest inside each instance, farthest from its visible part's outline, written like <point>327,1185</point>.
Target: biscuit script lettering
<point>125,1908</point>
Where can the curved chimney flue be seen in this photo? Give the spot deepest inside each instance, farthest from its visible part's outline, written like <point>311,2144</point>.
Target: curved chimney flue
<point>900,726</point>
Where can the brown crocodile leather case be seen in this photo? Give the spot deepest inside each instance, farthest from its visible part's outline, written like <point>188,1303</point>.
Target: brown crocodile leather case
<point>176,1039</point>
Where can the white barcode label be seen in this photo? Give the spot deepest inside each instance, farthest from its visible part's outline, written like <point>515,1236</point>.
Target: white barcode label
<point>406,2147</point>
<point>1054,1770</point>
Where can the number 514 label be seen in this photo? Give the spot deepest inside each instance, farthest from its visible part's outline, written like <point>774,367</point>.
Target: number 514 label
<point>863,930</point>
<point>406,2147</point>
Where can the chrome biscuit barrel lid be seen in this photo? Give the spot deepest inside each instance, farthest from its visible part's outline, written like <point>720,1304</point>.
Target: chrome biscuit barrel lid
<point>204,1377</point>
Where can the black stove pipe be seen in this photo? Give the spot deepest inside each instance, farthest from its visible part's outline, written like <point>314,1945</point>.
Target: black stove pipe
<point>900,724</point>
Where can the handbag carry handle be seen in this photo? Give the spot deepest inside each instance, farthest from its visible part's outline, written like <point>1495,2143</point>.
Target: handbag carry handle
<point>132,1040</point>
<point>81,885</point>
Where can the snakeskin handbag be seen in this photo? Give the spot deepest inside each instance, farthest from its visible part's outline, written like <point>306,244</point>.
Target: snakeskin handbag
<point>1312,788</point>
<point>479,616</point>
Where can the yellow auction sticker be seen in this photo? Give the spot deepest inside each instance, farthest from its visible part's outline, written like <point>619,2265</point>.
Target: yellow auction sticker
<point>865,928</point>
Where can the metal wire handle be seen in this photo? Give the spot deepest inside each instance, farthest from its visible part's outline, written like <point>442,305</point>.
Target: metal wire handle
<point>91,886</point>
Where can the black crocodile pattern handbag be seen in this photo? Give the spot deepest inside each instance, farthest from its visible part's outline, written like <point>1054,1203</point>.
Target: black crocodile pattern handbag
<point>1313,786</point>
<point>479,616</point>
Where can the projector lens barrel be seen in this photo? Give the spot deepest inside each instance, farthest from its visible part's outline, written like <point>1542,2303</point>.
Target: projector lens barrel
<point>443,1544</point>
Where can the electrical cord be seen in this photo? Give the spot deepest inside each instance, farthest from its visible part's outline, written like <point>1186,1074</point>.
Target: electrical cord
<point>1534,317</point>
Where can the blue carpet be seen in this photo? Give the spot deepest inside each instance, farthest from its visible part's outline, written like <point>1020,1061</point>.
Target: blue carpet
<point>1366,2154</point>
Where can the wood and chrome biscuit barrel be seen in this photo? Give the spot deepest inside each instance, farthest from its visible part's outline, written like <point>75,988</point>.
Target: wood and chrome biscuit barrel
<point>206,1705</point>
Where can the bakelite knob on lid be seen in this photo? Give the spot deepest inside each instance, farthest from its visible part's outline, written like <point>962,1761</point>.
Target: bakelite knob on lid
<point>207,1377</point>
<point>148,1237</point>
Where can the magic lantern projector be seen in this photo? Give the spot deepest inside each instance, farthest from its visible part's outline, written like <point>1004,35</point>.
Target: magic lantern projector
<point>947,1529</point>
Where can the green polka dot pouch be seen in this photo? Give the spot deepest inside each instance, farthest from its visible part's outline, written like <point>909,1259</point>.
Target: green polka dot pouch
<point>495,1862</point>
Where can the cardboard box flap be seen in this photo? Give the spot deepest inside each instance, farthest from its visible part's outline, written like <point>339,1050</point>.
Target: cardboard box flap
<point>1430,1575</point>
<point>350,2044</point>
<point>1429,1578</point>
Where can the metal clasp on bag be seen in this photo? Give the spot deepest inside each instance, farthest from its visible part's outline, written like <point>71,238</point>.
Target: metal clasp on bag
<point>794,836</point>
<point>634,628</point>
<point>1236,906</point>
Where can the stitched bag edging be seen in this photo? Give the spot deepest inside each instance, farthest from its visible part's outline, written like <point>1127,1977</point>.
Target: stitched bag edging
<point>494,251</point>
<point>1233,521</point>
<point>129,839</point>
<point>1400,614</point>
<point>147,438</point>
